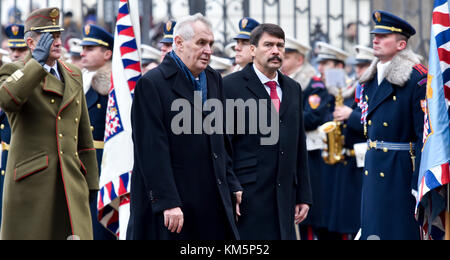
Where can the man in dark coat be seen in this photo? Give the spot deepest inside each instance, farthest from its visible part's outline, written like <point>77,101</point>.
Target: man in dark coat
<point>394,92</point>
<point>182,183</point>
<point>275,177</point>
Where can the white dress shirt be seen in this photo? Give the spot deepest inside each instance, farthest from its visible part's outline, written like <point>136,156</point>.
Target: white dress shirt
<point>265,79</point>
<point>55,67</point>
<point>381,69</point>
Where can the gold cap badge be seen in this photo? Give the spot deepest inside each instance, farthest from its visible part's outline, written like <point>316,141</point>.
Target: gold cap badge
<point>15,30</point>
<point>169,26</point>
<point>244,23</point>
<point>378,16</point>
<point>87,29</point>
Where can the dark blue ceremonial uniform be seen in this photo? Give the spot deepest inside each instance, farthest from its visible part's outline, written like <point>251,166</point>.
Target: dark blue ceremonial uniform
<point>5,137</point>
<point>394,122</point>
<point>345,211</point>
<point>315,103</point>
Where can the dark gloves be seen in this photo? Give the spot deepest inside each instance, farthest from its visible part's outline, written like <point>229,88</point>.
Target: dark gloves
<point>42,51</point>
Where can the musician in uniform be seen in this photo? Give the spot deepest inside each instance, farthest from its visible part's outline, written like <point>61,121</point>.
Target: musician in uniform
<point>345,214</point>
<point>394,89</point>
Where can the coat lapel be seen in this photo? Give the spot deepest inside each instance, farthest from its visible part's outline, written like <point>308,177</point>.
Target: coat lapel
<point>91,98</point>
<point>287,94</point>
<point>380,94</point>
<point>72,84</point>
<point>255,86</point>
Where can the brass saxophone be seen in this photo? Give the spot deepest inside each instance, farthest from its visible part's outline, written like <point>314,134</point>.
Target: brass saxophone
<point>333,154</point>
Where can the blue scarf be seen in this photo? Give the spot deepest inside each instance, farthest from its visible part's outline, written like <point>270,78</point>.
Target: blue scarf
<point>199,85</point>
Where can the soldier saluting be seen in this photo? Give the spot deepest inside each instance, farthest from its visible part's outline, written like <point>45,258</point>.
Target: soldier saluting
<point>52,163</point>
<point>393,93</point>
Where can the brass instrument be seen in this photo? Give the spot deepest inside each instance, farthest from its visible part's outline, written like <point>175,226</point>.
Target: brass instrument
<point>334,153</point>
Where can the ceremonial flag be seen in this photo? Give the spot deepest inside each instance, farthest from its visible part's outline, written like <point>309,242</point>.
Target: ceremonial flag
<point>434,173</point>
<point>117,163</point>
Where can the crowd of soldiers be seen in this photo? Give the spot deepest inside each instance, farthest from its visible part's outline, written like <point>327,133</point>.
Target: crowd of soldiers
<point>340,190</point>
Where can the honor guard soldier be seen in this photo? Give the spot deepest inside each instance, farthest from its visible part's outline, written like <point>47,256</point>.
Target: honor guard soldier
<point>345,214</point>
<point>222,65</point>
<point>315,109</point>
<point>16,42</point>
<point>96,61</point>
<point>167,40</point>
<point>393,95</point>
<point>52,163</point>
<point>242,48</point>
<point>150,58</point>
<point>5,136</point>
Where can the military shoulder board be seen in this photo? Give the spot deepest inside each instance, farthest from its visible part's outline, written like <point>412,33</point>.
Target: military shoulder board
<point>421,69</point>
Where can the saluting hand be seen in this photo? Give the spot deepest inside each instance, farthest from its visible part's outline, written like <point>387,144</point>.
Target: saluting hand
<point>174,220</point>
<point>42,50</point>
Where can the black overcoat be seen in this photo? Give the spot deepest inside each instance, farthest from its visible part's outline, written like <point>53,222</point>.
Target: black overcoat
<point>191,171</point>
<point>275,177</point>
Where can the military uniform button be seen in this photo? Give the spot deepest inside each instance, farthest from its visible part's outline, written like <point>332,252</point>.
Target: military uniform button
<point>394,98</point>
<point>367,98</point>
<point>385,124</point>
<point>52,101</point>
<point>366,173</point>
<point>385,150</point>
<point>61,153</point>
<point>59,118</point>
<point>76,120</point>
<point>76,138</point>
<point>2,126</point>
<point>61,136</point>
<point>370,122</point>
<point>78,102</point>
<point>92,128</point>
<point>3,172</point>
<point>99,106</point>
<point>382,175</point>
<point>76,154</point>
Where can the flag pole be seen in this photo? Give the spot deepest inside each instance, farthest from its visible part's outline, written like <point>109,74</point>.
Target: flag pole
<point>447,215</point>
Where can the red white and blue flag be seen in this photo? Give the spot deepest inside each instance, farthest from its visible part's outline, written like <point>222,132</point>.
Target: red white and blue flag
<point>117,163</point>
<point>434,172</point>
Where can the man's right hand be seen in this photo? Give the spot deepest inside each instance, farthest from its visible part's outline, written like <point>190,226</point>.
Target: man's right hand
<point>174,220</point>
<point>42,50</point>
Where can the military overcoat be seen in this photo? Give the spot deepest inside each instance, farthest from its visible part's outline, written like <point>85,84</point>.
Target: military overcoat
<point>52,163</point>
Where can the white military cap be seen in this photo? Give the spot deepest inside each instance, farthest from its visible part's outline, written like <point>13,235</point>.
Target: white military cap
<point>364,54</point>
<point>220,64</point>
<point>150,53</point>
<point>294,45</point>
<point>329,52</point>
<point>75,47</point>
<point>230,51</point>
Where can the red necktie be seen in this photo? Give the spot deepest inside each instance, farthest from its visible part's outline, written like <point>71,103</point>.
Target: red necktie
<point>274,94</point>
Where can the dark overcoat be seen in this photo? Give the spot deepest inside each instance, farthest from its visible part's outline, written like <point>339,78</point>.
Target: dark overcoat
<point>275,177</point>
<point>191,171</point>
<point>395,115</point>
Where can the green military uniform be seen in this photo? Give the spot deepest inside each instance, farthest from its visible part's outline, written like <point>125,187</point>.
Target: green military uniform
<point>52,162</point>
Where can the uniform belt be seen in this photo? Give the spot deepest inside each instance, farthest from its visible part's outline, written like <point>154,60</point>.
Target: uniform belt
<point>99,145</point>
<point>5,146</point>
<point>387,146</point>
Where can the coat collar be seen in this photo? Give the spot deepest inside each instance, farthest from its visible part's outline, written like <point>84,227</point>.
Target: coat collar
<point>398,72</point>
<point>183,87</point>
